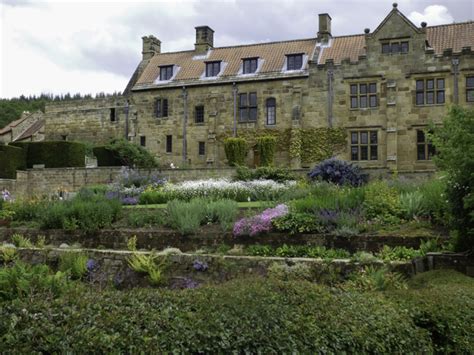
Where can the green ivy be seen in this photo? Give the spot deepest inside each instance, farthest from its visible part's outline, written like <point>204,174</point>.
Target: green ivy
<point>266,146</point>
<point>318,144</point>
<point>236,150</point>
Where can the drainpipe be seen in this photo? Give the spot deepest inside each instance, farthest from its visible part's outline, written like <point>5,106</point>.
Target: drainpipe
<point>126,118</point>
<point>235,90</point>
<point>185,123</point>
<point>330,95</point>
<point>455,63</point>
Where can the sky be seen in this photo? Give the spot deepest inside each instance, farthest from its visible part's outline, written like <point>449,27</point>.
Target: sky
<point>94,46</point>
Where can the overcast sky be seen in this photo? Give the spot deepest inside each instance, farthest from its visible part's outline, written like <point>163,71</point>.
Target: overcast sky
<point>91,46</point>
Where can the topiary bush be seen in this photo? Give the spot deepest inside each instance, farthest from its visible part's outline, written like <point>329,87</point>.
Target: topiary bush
<point>54,154</point>
<point>131,155</point>
<point>106,157</point>
<point>236,150</point>
<point>11,159</point>
<point>265,172</point>
<point>266,147</point>
<point>338,172</point>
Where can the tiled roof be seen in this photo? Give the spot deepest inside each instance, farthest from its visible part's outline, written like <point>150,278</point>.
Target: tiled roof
<point>455,36</point>
<point>192,68</point>
<point>34,128</point>
<point>12,124</point>
<point>343,47</point>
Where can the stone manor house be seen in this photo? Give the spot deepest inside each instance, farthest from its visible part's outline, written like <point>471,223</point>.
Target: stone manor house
<point>381,88</point>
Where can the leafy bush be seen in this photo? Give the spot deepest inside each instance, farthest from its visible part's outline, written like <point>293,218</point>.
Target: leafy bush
<point>435,202</point>
<point>74,264</point>
<point>338,172</point>
<point>412,204</point>
<point>222,211</point>
<point>132,155</point>
<point>373,278</point>
<point>266,147</point>
<point>147,264</point>
<point>455,155</point>
<point>398,253</point>
<point>244,173</point>
<point>236,150</point>
<point>27,210</point>
<point>106,156</point>
<point>143,218</point>
<point>381,201</point>
<point>186,217</point>
<point>296,223</point>
<point>20,241</point>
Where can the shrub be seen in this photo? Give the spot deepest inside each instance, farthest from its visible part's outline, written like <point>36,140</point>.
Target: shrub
<point>295,223</point>
<point>11,159</point>
<point>74,264</point>
<point>54,154</point>
<point>143,218</point>
<point>224,212</point>
<point>381,201</point>
<point>265,172</point>
<point>236,150</point>
<point>435,201</point>
<point>147,264</point>
<point>20,241</point>
<point>338,172</point>
<point>398,253</point>
<point>412,204</point>
<point>186,217</point>
<point>373,278</point>
<point>27,210</point>
<point>106,156</point>
<point>132,155</point>
<point>266,147</point>
<point>455,155</point>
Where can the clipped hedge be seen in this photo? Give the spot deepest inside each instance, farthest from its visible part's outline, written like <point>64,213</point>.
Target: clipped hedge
<point>54,154</point>
<point>11,159</point>
<point>266,147</point>
<point>106,157</point>
<point>247,316</point>
<point>236,150</point>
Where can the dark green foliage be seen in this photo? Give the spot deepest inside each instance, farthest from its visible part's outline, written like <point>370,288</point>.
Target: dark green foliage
<point>86,214</point>
<point>248,316</point>
<point>265,172</point>
<point>455,155</point>
<point>338,172</point>
<point>266,147</point>
<point>106,157</point>
<point>132,155</point>
<point>54,154</point>
<point>297,251</point>
<point>11,159</point>
<point>143,218</point>
<point>236,150</point>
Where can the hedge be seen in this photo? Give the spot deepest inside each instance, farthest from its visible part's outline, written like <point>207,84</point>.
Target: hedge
<point>54,154</point>
<point>106,157</point>
<point>11,160</point>
<point>245,316</point>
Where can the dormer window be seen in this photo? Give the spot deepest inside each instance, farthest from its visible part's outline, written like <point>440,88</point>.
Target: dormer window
<point>213,68</point>
<point>250,65</point>
<point>294,61</point>
<point>395,47</point>
<point>166,72</point>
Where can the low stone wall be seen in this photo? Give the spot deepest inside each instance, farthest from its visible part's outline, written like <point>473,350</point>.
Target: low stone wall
<point>160,239</point>
<point>462,262</point>
<point>180,271</point>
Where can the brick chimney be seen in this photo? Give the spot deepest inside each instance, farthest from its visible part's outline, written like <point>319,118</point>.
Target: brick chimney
<point>204,39</point>
<point>324,33</point>
<point>151,46</point>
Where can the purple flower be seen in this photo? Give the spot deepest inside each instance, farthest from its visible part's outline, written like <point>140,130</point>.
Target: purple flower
<point>91,265</point>
<point>129,200</point>
<point>200,265</point>
<point>261,223</point>
<point>112,195</point>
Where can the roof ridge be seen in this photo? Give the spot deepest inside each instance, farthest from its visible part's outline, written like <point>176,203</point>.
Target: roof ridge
<point>354,35</point>
<point>452,24</point>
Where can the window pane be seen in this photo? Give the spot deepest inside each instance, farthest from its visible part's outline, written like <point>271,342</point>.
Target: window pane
<point>252,114</point>
<point>431,151</point>
<point>169,144</point>
<point>271,102</point>
<point>298,62</point>
<point>354,153</point>
<point>421,152</point>
<point>270,115</point>
<point>364,152</point>
<point>243,100</point>
<point>404,47</point>
<point>373,137</point>
<point>253,99</point>
<point>158,108</point>
<point>420,85</point>
<point>244,114</point>
<point>291,62</point>
<point>430,97</point>
<point>254,65</point>
<point>363,88</point>
<point>385,48</point>
<point>354,137</point>
<point>363,101</point>
<point>165,107</point>
<point>440,83</point>
<point>420,136</point>
<point>395,47</point>
<point>420,98</point>
<point>373,101</point>
<point>354,102</point>
<point>372,88</point>
<point>470,81</point>
<point>199,114</point>
<point>364,138</point>
<point>470,95</point>
<point>353,89</point>
<point>202,148</point>
<point>430,84</point>
<point>440,97</point>
<point>373,152</point>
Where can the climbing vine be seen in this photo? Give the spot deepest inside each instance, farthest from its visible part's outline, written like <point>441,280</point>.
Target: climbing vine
<point>266,146</point>
<point>236,150</point>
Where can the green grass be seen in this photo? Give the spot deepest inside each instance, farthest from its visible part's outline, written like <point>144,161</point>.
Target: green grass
<point>251,204</point>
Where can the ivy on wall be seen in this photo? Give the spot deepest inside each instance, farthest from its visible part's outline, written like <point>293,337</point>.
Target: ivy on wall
<point>266,146</point>
<point>235,150</point>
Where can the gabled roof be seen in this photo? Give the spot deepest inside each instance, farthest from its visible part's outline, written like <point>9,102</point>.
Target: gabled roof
<point>395,12</point>
<point>30,131</point>
<point>13,124</point>
<point>192,67</point>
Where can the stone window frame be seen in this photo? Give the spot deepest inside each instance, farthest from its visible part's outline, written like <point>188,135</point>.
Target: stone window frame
<point>395,46</point>
<point>364,143</point>
<point>169,144</point>
<point>201,148</point>
<point>270,114</point>
<point>199,114</point>
<point>247,107</point>
<point>358,91</point>
<point>425,150</point>
<point>470,88</point>
<point>161,107</point>
<point>430,87</point>
<point>166,72</point>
